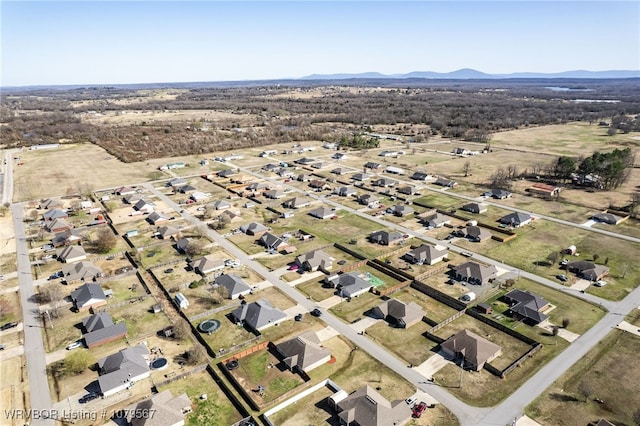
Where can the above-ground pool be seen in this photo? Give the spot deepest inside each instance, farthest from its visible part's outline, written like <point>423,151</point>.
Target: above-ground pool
<point>159,364</point>
<point>209,326</point>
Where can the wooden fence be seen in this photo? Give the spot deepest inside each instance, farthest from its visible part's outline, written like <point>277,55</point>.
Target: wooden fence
<point>181,375</point>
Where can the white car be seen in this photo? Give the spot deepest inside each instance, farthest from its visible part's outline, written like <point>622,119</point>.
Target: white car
<point>600,283</point>
<point>411,401</point>
<point>75,345</point>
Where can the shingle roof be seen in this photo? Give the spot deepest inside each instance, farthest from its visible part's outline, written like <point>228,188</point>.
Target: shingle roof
<point>86,292</point>
<point>527,305</point>
<point>367,407</point>
<point>303,351</point>
<point>233,283</point>
<point>475,349</point>
<point>258,314</point>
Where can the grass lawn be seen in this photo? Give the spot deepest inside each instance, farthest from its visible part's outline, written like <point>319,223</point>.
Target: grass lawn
<point>350,311</point>
<point>216,410</point>
<point>408,344</point>
<point>609,372</point>
<point>314,289</point>
<point>434,310</point>
<point>11,308</point>
<point>228,335</point>
<point>629,227</point>
<point>439,201</point>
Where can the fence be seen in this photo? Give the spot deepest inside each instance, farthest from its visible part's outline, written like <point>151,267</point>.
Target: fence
<point>438,295</point>
<point>349,251</point>
<point>445,322</point>
<point>535,348</point>
<point>432,271</point>
<point>213,311</point>
<point>181,375</point>
<point>225,389</point>
<point>395,288</point>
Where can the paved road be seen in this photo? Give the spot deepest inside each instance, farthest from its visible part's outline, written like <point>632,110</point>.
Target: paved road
<point>33,345</point>
<point>7,181</point>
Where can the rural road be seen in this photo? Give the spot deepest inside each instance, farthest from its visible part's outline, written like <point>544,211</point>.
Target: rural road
<point>33,345</point>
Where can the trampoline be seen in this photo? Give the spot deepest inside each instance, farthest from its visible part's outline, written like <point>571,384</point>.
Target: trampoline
<point>209,326</point>
<point>159,364</point>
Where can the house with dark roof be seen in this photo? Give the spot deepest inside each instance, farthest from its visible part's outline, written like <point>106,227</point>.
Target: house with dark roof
<point>368,199</point>
<point>607,218</point>
<point>401,210</point>
<point>88,296</point>
<point>206,264</point>
<point>258,186</point>
<point>314,260</point>
<point>474,233</point>
<point>182,244</point>
<point>120,370</point>
<point>186,189</point>
<point>52,214</point>
<point>72,254</point>
<point>144,206</point>
<point>407,190</point>
<point>498,194</point>
<point>350,284</point>
<point>371,165</point>
<point>296,203</point>
<point>361,177</point>
<point>221,204</point>
<point>166,232</point>
<point>516,219</point>
<point>426,255</point>
<point>345,191</point>
<point>422,176</point>
<point>258,315</point>
<point>385,238</point>
<point>82,270</point>
<point>398,314</point>
<point>475,273</point>
<point>305,161</point>
<point>167,410</point>
<point>476,208</point>
<point>50,203</point>
<point>587,270</point>
<point>434,220</point>
<point>232,216</point>
<point>100,329</point>
<point>322,212</point>
<point>526,306</point>
<point>367,407</point>
<point>226,173</point>
<point>304,352</point>
<point>319,185</point>
<point>341,171</point>
<point>66,238</point>
<point>58,225</point>
<point>254,228</point>
<point>446,182</point>
<point>233,285</point>
<point>474,350</point>
<point>271,242</point>
<point>384,182</point>
<point>132,199</point>
<point>303,177</point>
<point>156,218</point>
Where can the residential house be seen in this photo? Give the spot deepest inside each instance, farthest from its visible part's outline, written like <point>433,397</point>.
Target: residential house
<point>132,199</point>
<point>271,242</point>
<point>144,206</point>
<point>100,329</point>
<point>234,285</point>
<point>319,185</point>
<point>286,173</point>
<point>544,189</point>
<point>226,173</point>
<point>320,165</point>
<point>72,254</point>
<point>367,407</point>
<point>475,273</point>
<point>156,218</point>
<point>370,200</point>
<point>254,228</point>
<point>65,238</point>
<point>476,208</point>
<point>87,296</point>
<point>270,167</point>
<point>474,233</point>
<point>399,314</point>
<point>587,270</point>
<point>120,370</point>
<point>371,165</point>
<point>221,205</point>
<point>339,156</point>
<point>185,189</point>
<point>303,177</point>
<point>498,194</point>
<point>52,214</point>
<point>322,212</point>
<point>296,203</point>
<point>176,182</point>
<point>388,153</point>
<point>474,350</point>
<point>385,238</point>
<point>314,260</point>
<point>422,176</point>
<point>199,196</point>
<point>206,264</point>
<point>526,306</point>
<point>426,255</point>
<point>232,216</point>
<point>407,190</point>
<point>258,186</point>
<point>304,352</point>
<point>345,191</point>
<point>401,210</point>
<point>384,182</point>
<point>446,183</point>
<point>274,194</point>
<point>258,315</point>
<point>182,244</point>
<point>50,203</point>
<point>608,218</point>
<point>394,170</point>
<point>80,271</point>
<point>350,284</point>
<point>516,219</point>
<point>167,410</point>
<point>341,171</point>
<point>361,177</point>
<point>305,161</point>
<point>166,232</point>
<point>434,220</point>
<point>58,225</point>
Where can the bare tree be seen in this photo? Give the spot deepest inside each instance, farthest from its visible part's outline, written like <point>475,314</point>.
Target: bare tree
<point>554,257</point>
<point>53,294</point>
<point>466,168</point>
<point>181,329</point>
<point>196,355</point>
<point>195,247</point>
<point>106,240</point>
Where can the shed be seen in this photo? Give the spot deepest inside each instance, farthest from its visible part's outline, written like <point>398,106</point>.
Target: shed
<point>181,301</point>
<point>484,308</point>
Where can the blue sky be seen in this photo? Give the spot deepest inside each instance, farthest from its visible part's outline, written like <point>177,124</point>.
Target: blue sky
<point>110,42</point>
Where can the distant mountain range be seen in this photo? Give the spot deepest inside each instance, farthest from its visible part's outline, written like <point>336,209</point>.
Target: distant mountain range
<point>471,74</point>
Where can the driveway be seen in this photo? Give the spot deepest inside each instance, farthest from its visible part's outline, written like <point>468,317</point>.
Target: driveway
<point>565,334</point>
<point>11,352</point>
<point>432,365</point>
<point>581,285</point>
<point>625,326</point>
<point>363,324</point>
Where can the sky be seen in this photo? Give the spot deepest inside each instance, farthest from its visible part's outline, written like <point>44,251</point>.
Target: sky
<point>147,41</point>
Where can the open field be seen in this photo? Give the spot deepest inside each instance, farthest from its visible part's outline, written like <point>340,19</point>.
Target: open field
<point>609,373</point>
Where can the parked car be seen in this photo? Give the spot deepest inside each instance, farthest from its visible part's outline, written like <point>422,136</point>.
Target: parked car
<point>316,312</point>
<point>2,347</point>
<point>564,262</point>
<point>8,325</point>
<point>168,271</point>
<point>293,267</point>
<point>89,397</point>
<point>600,283</point>
<point>419,409</point>
<point>411,401</point>
<point>562,277</point>
<point>466,254</point>
<point>75,345</point>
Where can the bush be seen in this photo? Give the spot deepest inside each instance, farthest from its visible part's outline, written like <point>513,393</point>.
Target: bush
<point>196,284</point>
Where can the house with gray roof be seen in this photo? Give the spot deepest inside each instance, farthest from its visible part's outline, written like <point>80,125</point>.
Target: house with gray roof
<point>367,407</point>
<point>156,218</point>
<point>476,208</point>
<point>234,285</point>
<point>368,199</point>
<point>401,210</point>
<point>426,255</point>
<point>120,370</point>
<point>72,254</point>
<point>587,270</point>
<point>87,296</point>
<point>166,232</point>
<point>475,273</point>
<point>475,351</point>
<point>345,191</point>
<point>144,206</point>
<point>50,203</point>
<point>82,270</point>
<point>361,177</point>
<point>254,228</point>
<point>420,176</point>
<point>526,306</point>
<point>167,410</point>
<point>182,244</point>
<point>446,182</point>
<point>185,189</point>
<point>498,194</point>
<point>350,284</point>
<point>304,352</point>
<point>65,238</point>
<point>407,190</point>
<point>474,233</point>
<point>100,329</point>
<point>176,182</point>
<point>221,205</point>
<point>371,165</point>
<point>52,214</point>
<point>607,218</point>
<point>132,199</point>
<point>226,173</point>
<point>398,314</point>
<point>271,242</point>
<point>296,203</point>
<point>258,315</point>
<point>436,220</point>
<point>258,186</point>
<point>314,260</point>
<point>274,194</point>
<point>385,238</point>
<point>322,212</point>
<point>516,219</point>
<point>58,225</point>
<point>206,264</point>
<point>384,182</point>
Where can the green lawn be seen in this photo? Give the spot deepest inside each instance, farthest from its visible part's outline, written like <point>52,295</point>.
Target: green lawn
<point>407,344</point>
